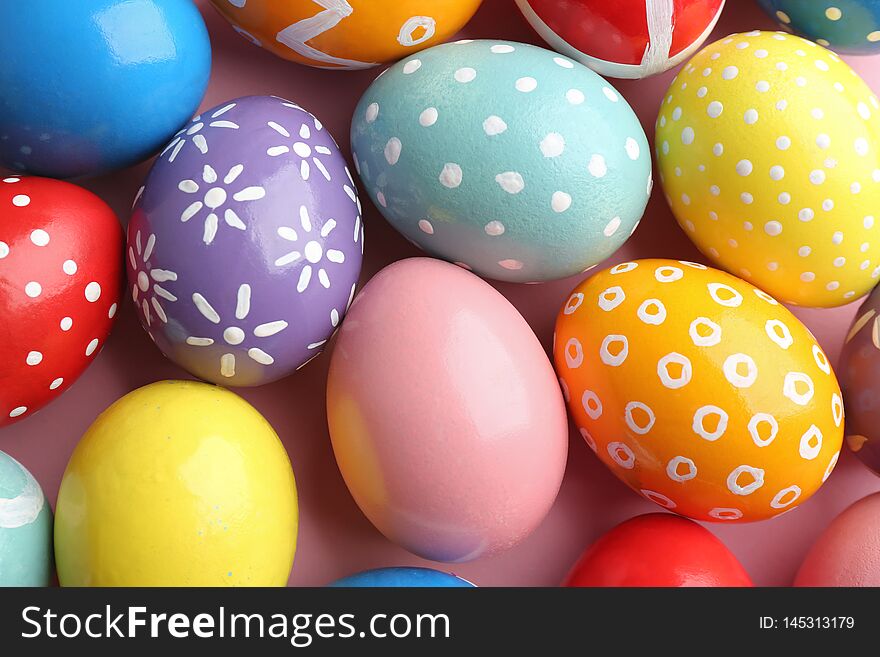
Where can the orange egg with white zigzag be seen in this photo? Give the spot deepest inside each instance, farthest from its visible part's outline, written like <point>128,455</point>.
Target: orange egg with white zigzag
<point>698,390</point>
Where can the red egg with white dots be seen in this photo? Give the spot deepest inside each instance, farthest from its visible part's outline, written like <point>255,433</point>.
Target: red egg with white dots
<point>624,38</point>
<point>60,280</point>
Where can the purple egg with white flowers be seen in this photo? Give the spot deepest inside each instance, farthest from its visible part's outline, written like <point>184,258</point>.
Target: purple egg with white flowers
<point>245,242</point>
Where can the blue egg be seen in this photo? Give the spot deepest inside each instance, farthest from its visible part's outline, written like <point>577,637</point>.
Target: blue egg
<point>91,86</point>
<point>25,528</point>
<point>507,159</point>
<point>847,26</point>
<point>402,577</point>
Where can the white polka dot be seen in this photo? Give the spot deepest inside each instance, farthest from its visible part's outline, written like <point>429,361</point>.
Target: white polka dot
<point>4,250</point>
<point>553,145</point>
<point>33,289</point>
<point>777,172</point>
<point>676,114</point>
<point>874,36</point>
<point>783,143</point>
<point>69,267</point>
<point>862,109</point>
<point>762,86</point>
<point>412,66</point>
<point>861,146</point>
<point>511,182</point>
<point>746,198</point>
<point>729,72</point>
<point>808,277</point>
<point>781,105</point>
<point>597,166</point>
<point>833,13</point>
<point>610,94</point>
<point>868,222</point>
<point>18,410</point>
<point>817,176</point>
<point>700,416</point>
<point>718,150</point>
<point>465,75</point>
<point>560,202</point>
<point>687,136</point>
<point>392,151</point>
<point>683,368</point>
<point>112,311</point>
<point>93,292</point>
<point>502,49</point>
<point>614,360</point>
<point>667,274</point>
<point>564,63</point>
<point>494,228</point>
<point>840,261</point>
<point>34,358</point>
<point>428,117</point>
<point>56,383</point>
<point>66,323</point>
<point>757,480</point>
<point>526,84</point>
<point>40,237</point>
<point>744,167</point>
<point>372,112</point>
<point>773,228</point>
<point>823,141</point>
<point>779,333</point>
<point>632,148</point>
<point>674,465</point>
<point>574,96</point>
<point>451,175</point>
<point>630,418</point>
<point>702,91</point>
<point>611,227</point>
<point>817,113</point>
<point>652,311</point>
<point>494,125</point>
<point>510,264</point>
<point>760,53</point>
<point>622,455</point>
<point>90,348</point>
<point>426,226</point>
<point>714,109</point>
<point>751,116</point>
<point>733,367</point>
<point>21,200</point>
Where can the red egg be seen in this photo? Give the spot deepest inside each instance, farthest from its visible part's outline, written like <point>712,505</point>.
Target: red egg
<point>658,549</point>
<point>848,551</point>
<point>624,38</point>
<point>60,277</point>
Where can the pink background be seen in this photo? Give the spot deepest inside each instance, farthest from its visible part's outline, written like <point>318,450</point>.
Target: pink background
<point>335,539</point>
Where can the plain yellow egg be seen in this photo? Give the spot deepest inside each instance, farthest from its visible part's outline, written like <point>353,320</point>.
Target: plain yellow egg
<point>178,483</point>
<point>769,153</point>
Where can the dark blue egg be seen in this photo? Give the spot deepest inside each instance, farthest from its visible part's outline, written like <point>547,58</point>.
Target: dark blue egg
<point>847,26</point>
<point>402,577</point>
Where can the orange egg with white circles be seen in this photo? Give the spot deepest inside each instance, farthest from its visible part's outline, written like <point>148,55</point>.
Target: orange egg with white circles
<point>698,390</point>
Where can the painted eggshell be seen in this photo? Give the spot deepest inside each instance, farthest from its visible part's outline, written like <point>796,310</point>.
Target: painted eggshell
<point>178,483</point>
<point>60,280</point>
<point>477,153</point>
<point>25,528</point>
<point>848,551</point>
<point>847,26</point>
<point>346,34</point>
<point>860,380</point>
<point>658,549</point>
<point>698,390</point>
<point>459,453</point>
<point>98,85</point>
<point>769,153</point>
<point>402,577</point>
<point>625,38</point>
<point>245,244</point>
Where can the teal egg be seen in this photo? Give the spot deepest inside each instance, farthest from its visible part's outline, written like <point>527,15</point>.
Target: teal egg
<point>25,528</point>
<point>508,159</point>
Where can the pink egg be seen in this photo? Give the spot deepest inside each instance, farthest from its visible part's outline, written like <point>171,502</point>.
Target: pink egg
<point>848,551</point>
<point>447,420</point>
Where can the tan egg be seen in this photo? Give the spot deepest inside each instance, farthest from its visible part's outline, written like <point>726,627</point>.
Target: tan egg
<point>698,390</point>
<point>769,153</point>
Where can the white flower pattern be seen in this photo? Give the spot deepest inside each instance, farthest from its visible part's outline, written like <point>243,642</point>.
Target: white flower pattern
<point>197,132</point>
<point>301,149</point>
<point>312,250</point>
<point>234,335</point>
<point>147,289</point>
<point>216,197</point>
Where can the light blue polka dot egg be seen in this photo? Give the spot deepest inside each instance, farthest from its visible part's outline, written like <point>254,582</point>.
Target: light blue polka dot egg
<point>25,528</point>
<point>504,158</point>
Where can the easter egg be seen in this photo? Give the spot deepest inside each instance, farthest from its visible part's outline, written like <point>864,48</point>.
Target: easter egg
<point>99,85</point>
<point>402,578</point>
<point>346,34</point>
<point>769,153</point>
<point>25,528</point>
<point>245,243</point>
<point>848,551</point>
<point>658,549</point>
<point>178,483</point>
<point>460,451</point>
<point>698,390</point>
<point>60,279</point>
<point>859,370</point>
<point>477,153</point>
<point>625,38</point>
<point>847,26</point>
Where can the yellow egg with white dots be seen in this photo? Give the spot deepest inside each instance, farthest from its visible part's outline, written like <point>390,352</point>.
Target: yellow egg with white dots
<point>769,154</point>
